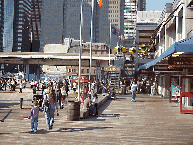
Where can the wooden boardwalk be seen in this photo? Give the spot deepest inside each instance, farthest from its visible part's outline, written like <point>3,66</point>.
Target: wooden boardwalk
<point>149,120</point>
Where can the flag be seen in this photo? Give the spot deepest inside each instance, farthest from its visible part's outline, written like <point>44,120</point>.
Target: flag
<point>100,3</point>
<point>121,37</point>
<point>113,30</point>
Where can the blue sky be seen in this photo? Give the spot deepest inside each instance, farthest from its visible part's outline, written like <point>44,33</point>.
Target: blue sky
<point>156,4</point>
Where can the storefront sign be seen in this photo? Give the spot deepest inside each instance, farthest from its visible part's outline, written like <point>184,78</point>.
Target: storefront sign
<point>164,68</point>
<point>180,62</point>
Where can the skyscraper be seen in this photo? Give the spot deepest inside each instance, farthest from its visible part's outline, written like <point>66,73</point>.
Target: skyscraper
<point>35,24</point>
<point>64,16</point>
<point>21,33</point>
<point>1,23</point>
<point>8,25</point>
<point>141,5</point>
<point>130,12</point>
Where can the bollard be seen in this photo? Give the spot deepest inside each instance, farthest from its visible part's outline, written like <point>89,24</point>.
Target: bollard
<point>21,102</point>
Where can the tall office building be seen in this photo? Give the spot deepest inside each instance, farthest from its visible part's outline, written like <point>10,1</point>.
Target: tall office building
<point>130,11</point>
<point>8,25</point>
<point>1,23</point>
<point>64,16</point>
<point>35,28</point>
<point>141,5</point>
<point>21,33</point>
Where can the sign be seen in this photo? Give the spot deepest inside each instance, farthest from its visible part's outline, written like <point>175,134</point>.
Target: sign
<point>164,68</point>
<point>112,68</point>
<point>180,62</point>
<point>175,90</point>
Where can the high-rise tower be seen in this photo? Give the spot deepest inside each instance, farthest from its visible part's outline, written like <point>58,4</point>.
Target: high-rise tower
<point>21,33</point>
<point>35,24</point>
<point>1,23</point>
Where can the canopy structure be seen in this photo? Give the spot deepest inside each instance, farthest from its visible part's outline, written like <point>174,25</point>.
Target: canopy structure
<point>185,45</point>
<point>83,79</point>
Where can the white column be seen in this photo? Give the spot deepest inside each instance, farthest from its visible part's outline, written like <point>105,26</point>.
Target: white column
<point>184,22</point>
<point>165,39</point>
<point>177,22</point>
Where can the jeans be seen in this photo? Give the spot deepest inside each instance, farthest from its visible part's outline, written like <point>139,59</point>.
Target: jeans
<point>133,95</point>
<point>49,115</point>
<point>34,123</point>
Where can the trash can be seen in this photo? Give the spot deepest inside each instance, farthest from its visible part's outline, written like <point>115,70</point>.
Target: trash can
<point>73,111</point>
<point>123,90</point>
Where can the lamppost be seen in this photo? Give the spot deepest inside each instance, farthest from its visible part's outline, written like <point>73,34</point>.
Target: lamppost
<point>80,51</point>
<point>91,37</point>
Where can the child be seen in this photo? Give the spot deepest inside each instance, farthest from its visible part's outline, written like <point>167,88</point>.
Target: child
<point>34,116</point>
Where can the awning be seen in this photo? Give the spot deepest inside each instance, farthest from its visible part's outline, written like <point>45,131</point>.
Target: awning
<point>185,45</point>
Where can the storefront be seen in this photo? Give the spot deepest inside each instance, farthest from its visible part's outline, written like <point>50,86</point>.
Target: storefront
<point>175,73</point>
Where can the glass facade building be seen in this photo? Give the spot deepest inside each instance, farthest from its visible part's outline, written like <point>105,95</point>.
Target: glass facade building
<point>1,23</point>
<point>8,25</point>
<point>21,33</point>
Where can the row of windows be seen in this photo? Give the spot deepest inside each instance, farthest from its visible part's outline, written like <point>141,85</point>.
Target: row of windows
<point>82,70</point>
<point>113,6</point>
<point>55,2</point>
<point>113,11</point>
<point>114,20</point>
<point>53,7</point>
<point>113,15</point>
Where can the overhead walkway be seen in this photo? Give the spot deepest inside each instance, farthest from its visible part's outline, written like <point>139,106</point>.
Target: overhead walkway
<point>59,59</point>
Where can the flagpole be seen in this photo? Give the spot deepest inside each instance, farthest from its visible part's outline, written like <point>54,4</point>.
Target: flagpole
<point>91,37</point>
<point>110,46</point>
<point>80,51</point>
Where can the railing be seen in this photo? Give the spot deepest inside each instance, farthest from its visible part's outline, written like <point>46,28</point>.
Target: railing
<point>146,56</point>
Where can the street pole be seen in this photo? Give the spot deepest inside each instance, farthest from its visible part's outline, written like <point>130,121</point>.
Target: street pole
<point>80,51</point>
<point>91,37</point>
<point>110,46</point>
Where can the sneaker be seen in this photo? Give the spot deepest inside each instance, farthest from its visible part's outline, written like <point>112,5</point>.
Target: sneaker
<point>35,131</point>
<point>32,130</point>
<point>132,100</point>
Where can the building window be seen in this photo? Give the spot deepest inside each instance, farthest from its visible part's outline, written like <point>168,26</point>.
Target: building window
<point>87,70</point>
<point>74,70</point>
<point>94,71</point>
<point>69,70</point>
<point>82,71</point>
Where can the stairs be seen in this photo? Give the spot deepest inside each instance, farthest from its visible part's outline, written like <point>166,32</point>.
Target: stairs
<point>114,77</point>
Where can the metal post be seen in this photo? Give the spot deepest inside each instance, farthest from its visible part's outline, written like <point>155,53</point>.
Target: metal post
<point>21,102</point>
<point>91,37</point>
<point>110,46</point>
<point>80,51</point>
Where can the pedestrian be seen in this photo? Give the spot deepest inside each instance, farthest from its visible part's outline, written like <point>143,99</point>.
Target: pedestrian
<point>153,89</point>
<point>58,95</point>
<point>50,103</point>
<point>133,91</point>
<point>34,89</point>
<point>74,87</point>
<point>63,98</point>
<point>34,116</point>
<point>95,102</point>
<point>20,87</point>
<point>5,85</point>
<point>24,83</point>
<point>66,88</point>
<point>32,84</point>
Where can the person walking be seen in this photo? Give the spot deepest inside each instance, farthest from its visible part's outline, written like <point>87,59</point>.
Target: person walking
<point>34,116</point>
<point>50,103</point>
<point>21,87</point>
<point>133,91</point>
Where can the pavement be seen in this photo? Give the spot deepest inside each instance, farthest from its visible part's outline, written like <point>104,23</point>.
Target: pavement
<point>149,120</point>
